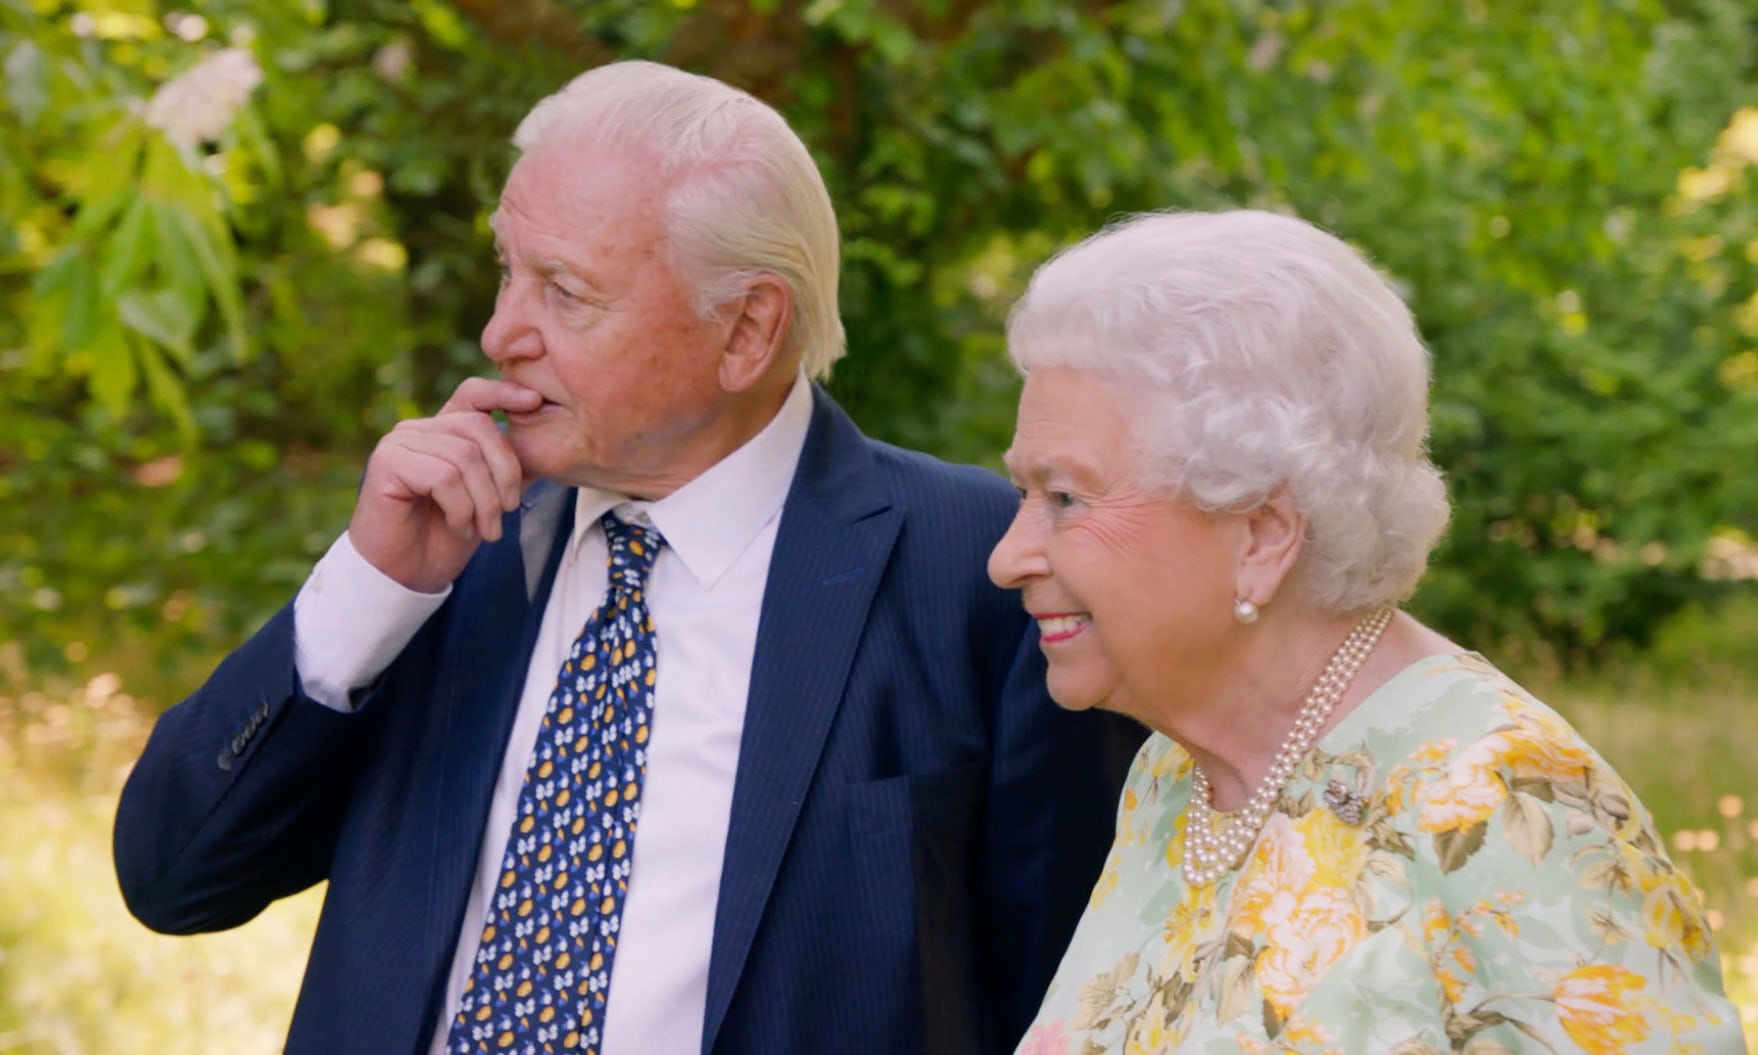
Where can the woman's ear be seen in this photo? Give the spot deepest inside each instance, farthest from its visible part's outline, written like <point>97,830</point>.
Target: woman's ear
<point>759,331</point>
<point>1275,534</point>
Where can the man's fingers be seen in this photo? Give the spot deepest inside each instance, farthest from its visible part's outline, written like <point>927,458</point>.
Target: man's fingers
<point>454,472</point>
<point>487,394</point>
<point>497,454</point>
<point>478,429</point>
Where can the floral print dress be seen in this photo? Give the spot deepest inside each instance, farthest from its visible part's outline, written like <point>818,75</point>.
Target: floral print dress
<point>1450,869</point>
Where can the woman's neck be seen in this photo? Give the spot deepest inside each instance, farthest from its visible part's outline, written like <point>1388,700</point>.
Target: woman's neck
<point>1249,706</point>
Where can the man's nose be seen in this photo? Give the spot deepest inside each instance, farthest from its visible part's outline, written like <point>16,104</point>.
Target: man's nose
<point>1018,557</point>
<point>510,333</point>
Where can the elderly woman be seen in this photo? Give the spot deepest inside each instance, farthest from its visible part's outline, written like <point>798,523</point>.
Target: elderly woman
<point>1349,834</point>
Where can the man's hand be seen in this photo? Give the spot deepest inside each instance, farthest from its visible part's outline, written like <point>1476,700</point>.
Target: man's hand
<point>436,487</point>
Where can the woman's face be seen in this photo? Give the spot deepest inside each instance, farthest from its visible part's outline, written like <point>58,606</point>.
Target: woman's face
<point>1132,591</point>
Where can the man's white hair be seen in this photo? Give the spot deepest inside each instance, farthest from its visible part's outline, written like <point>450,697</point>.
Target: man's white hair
<point>745,197</point>
<point>1267,354</point>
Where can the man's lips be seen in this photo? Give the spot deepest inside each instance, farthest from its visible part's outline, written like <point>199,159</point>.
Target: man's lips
<point>1060,626</point>
<point>542,408</point>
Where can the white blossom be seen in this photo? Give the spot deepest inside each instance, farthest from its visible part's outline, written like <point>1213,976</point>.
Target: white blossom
<point>197,105</point>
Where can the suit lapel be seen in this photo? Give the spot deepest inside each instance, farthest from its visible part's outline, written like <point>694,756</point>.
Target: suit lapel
<point>835,537</point>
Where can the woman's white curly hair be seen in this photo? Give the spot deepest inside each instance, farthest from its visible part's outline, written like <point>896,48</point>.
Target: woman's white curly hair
<point>1267,354</point>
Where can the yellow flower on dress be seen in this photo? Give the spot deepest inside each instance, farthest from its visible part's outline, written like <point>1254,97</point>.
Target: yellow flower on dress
<point>1278,863</point>
<point>1337,850</point>
<point>1592,1006</point>
<point>1672,915</point>
<point>1542,746</point>
<point>1187,928</point>
<point>1307,932</point>
<point>1468,792</point>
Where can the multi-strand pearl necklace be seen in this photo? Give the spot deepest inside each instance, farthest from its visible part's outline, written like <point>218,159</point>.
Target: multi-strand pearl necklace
<point>1209,854</point>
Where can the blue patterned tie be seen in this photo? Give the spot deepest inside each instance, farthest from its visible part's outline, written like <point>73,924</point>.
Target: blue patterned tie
<point>543,964</point>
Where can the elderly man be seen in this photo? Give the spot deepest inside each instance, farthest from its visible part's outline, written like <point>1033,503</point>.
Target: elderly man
<point>677,716</point>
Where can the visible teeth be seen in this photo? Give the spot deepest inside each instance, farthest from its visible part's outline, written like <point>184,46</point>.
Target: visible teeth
<point>1061,624</point>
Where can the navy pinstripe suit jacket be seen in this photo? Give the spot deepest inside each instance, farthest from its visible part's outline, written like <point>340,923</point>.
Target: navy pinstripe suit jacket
<point>914,830</point>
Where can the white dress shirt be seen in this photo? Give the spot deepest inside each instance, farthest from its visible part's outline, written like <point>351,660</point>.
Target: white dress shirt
<point>705,595</point>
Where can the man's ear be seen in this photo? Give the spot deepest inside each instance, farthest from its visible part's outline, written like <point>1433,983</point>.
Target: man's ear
<point>760,320</point>
<point>1275,535</point>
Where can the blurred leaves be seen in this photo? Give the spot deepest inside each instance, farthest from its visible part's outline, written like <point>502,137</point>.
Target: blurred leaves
<point>1564,190</point>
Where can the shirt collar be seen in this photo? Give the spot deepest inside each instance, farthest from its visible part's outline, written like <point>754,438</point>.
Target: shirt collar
<point>714,518</point>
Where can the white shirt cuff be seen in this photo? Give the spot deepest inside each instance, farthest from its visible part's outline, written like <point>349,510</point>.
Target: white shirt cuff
<point>349,622</point>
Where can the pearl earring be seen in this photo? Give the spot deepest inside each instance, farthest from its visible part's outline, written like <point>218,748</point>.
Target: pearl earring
<point>1245,611</point>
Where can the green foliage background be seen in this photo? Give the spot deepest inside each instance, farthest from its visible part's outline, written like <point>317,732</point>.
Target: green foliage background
<point>200,343</point>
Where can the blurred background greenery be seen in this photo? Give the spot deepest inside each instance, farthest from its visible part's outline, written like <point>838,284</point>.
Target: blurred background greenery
<point>240,238</point>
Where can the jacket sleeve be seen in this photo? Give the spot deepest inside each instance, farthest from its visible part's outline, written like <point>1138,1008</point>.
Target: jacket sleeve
<point>239,793</point>
<point>1054,783</point>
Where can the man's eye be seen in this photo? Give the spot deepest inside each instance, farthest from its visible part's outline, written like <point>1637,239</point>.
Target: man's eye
<point>562,291</point>
<point>1060,499</point>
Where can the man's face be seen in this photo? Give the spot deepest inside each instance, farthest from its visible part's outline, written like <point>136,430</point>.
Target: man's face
<point>591,316</point>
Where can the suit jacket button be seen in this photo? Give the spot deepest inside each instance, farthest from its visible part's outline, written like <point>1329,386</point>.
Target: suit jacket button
<point>238,743</point>
<point>225,760</point>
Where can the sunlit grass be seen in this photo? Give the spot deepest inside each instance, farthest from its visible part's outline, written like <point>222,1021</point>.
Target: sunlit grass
<point>78,975</point>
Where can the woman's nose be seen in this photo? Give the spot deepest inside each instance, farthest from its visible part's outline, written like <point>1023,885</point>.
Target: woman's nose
<point>1018,557</point>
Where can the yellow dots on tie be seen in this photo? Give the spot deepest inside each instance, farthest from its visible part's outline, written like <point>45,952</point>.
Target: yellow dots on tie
<point>561,880</point>
<point>635,547</point>
<point>650,677</point>
<point>631,791</point>
<point>545,770</point>
<point>488,933</point>
<point>610,797</point>
<point>504,962</point>
<point>597,961</point>
<point>622,603</point>
<point>581,745</point>
<point>527,824</point>
<point>484,1012</point>
<point>524,908</point>
<point>562,961</point>
<point>524,989</point>
<point>544,852</point>
<point>641,734</point>
<point>619,849</point>
<point>579,825</point>
<point>610,715</point>
<point>542,936</point>
<point>564,716</point>
<point>599,695</point>
<point>608,906</point>
<point>562,797</point>
<point>507,879</point>
<point>595,852</point>
<point>505,1040</point>
<point>593,771</point>
<point>572,1040</point>
<point>578,908</point>
<point>546,1014</point>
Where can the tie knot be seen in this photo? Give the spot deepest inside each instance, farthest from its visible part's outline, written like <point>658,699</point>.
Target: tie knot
<point>632,550</point>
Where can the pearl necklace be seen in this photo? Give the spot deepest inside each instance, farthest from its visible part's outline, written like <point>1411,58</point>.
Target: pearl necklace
<point>1209,854</point>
